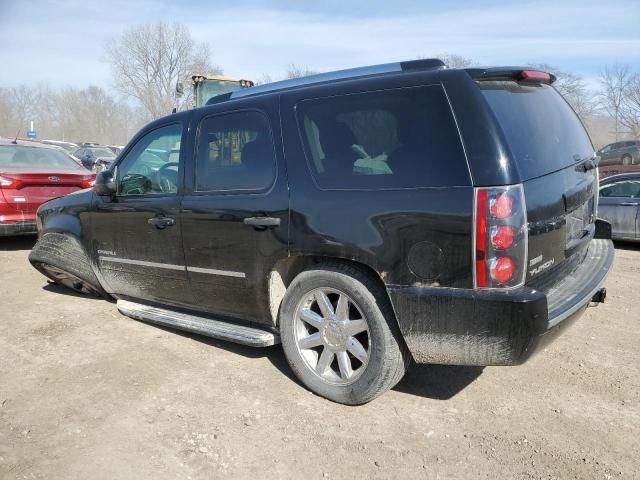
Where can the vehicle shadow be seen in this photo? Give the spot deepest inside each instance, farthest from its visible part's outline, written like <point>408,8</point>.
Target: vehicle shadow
<point>438,382</point>
<point>622,245</point>
<point>11,244</point>
<point>274,354</point>
<point>53,287</point>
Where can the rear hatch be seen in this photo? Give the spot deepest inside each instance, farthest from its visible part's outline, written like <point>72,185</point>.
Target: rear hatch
<point>26,190</point>
<point>554,159</point>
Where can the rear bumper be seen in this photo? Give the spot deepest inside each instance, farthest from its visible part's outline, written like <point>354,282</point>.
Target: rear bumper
<point>23,227</point>
<point>468,327</point>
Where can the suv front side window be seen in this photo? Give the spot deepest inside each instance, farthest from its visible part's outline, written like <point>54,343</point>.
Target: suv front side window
<point>151,166</point>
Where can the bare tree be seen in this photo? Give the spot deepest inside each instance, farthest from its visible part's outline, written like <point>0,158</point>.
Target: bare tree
<point>630,107</point>
<point>294,71</point>
<point>615,83</point>
<point>147,61</point>
<point>453,60</point>
<point>263,78</point>
<point>68,114</point>
<point>573,89</point>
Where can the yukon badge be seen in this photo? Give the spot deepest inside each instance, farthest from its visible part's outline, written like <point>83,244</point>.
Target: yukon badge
<point>542,267</point>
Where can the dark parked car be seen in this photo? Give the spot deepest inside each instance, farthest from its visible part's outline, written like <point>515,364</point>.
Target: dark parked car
<point>362,218</point>
<point>69,147</point>
<point>95,158</point>
<point>620,205</point>
<point>620,153</point>
<point>31,174</point>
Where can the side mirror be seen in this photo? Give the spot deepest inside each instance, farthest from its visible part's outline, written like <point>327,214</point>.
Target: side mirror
<point>105,183</point>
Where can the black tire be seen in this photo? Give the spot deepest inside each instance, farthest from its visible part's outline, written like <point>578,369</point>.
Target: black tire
<point>388,355</point>
<point>626,160</point>
<point>61,258</point>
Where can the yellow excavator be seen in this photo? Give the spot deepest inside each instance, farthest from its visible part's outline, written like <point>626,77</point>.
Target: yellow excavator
<point>205,87</point>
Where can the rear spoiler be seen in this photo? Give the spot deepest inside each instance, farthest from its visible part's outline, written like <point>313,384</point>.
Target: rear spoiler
<point>519,74</point>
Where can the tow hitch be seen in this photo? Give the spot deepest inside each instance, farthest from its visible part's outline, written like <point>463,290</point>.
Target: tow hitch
<point>599,296</point>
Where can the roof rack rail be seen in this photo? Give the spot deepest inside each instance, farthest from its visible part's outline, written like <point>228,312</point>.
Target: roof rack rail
<point>422,64</point>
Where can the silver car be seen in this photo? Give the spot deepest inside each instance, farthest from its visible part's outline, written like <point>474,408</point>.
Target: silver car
<point>619,204</point>
<point>620,153</point>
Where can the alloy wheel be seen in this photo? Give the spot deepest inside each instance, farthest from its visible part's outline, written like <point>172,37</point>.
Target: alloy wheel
<point>332,336</point>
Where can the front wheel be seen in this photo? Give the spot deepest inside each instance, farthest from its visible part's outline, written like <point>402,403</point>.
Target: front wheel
<point>339,334</point>
<point>626,160</point>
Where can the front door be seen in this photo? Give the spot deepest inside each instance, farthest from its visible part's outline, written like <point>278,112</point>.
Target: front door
<point>619,204</point>
<point>137,234</point>
<point>235,217</point>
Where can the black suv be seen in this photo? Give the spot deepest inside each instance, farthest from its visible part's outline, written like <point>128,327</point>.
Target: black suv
<point>363,218</point>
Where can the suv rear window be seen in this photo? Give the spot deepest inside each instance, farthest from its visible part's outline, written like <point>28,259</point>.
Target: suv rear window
<point>543,132</point>
<point>397,138</point>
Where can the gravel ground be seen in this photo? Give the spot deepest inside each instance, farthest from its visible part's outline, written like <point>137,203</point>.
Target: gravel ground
<point>88,393</point>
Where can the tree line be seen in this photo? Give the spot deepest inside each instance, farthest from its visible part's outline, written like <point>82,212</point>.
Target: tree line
<point>148,60</point>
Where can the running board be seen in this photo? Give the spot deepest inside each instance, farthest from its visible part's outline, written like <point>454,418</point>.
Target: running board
<point>244,335</point>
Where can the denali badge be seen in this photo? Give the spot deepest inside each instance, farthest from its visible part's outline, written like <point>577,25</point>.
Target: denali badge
<point>542,267</point>
<point>53,178</point>
<point>106,252</point>
<point>533,261</point>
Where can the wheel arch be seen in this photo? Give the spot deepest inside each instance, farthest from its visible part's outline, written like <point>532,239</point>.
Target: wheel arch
<point>286,269</point>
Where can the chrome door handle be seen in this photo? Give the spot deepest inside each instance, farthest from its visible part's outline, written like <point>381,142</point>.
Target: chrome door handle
<point>263,222</point>
<point>629,204</point>
<point>162,222</point>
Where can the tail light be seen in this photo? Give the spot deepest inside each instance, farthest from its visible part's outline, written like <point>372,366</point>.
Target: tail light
<point>500,237</point>
<point>89,182</point>
<point>9,183</point>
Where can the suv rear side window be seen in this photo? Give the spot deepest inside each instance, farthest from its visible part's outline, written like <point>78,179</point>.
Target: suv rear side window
<point>235,152</point>
<point>397,138</point>
<point>542,130</point>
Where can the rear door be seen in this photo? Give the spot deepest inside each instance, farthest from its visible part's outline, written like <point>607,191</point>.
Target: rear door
<point>136,235</point>
<point>619,204</point>
<point>235,216</point>
<point>554,159</point>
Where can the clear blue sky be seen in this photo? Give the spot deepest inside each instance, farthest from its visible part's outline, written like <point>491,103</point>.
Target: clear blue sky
<point>62,41</point>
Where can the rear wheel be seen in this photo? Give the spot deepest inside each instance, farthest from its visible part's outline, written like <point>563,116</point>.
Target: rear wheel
<point>626,160</point>
<point>339,334</point>
<point>61,258</point>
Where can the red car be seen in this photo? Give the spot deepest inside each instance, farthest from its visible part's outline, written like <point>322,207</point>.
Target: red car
<point>30,174</point>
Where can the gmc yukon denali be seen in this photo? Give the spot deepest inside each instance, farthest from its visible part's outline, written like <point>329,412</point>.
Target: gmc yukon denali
<point>363,218</point>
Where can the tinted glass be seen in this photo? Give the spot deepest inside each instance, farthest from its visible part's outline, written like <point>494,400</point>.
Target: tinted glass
<point>623,188</point>
<point>16,156</point>
<point>235,152</point>
<point>399,138</point>
<point>542,130</point>
<point>151,166</point>
<point>102,152</point>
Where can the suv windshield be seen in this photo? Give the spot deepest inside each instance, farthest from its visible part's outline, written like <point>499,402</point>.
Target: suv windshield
<point>16,156</point>
<point>543,132</point>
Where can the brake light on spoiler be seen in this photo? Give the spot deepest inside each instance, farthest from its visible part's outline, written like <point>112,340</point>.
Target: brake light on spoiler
<point>523,75</point>
<point>500,237</point>
<point>535,76</point>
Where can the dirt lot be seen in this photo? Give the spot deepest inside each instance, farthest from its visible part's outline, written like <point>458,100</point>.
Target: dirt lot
<point>88,393</point>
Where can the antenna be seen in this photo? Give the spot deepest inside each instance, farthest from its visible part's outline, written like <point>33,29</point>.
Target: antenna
<point>15,140</point>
